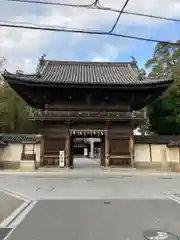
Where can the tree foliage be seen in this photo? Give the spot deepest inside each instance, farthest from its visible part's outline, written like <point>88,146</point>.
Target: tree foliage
<point>14,112</point>
<point>164,113</point>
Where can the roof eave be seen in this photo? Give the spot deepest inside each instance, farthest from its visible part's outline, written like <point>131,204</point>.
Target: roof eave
<point>27,82</point>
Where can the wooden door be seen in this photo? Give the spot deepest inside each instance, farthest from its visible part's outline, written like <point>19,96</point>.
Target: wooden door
<point>120,152</point>
<point>52,146</point>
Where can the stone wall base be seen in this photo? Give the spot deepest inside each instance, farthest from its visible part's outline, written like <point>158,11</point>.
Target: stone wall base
<point>9,165</point>
<point>120,162</point>
<point>174,167</point>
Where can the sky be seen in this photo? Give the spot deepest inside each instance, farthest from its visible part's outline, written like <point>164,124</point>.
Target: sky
<point>22,48</point>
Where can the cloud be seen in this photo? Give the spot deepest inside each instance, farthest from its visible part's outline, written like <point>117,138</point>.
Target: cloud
<point>22,48</point>
<point>110,52</point>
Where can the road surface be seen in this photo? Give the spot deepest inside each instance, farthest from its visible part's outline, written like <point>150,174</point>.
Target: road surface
<point>119,207</point>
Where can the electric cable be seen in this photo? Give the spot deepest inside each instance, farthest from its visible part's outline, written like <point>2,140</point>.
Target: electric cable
<point>43,28</point>
<point>95,5</point>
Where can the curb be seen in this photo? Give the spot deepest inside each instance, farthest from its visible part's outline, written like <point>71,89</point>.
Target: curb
<point>89,175</point>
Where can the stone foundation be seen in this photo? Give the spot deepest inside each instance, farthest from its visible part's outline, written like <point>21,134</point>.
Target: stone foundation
<point>120,162</point>
<point>9,165</point>
<point>144,165</point>
<point>174,167</point>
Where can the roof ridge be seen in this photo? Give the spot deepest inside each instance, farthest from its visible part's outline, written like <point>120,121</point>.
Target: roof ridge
<point>42,69</point>
<point>88,62</point>
<point>134,73</point>
<point>19,134</point>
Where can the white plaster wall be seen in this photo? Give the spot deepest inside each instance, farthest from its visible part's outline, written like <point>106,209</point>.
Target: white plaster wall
<point>159,153</point>
<point>141,152</point>
<point>172,155</point>
<point>12,152</point>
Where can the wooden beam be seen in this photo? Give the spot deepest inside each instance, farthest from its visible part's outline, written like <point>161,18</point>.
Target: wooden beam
<point>107,159</point>
<point>67,150</point>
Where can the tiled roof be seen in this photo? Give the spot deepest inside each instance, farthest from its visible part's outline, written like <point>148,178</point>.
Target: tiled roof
<point>104,73</point>
<point>156,139</point>
<point>19,138</point>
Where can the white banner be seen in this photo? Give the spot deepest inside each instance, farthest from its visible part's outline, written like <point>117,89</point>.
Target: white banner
<point>61,159</point>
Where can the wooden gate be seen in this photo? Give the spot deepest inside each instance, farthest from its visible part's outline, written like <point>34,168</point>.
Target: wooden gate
<point>120,152</point>
<point>52,146</point>
<point>72,152</point>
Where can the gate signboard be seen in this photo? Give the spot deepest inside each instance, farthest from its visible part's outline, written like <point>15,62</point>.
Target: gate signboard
<point>61,158</point>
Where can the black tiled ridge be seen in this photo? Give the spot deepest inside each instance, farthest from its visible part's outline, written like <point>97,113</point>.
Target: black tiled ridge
<point>156,139</point>
<point>104,73</point>
<point>19,138</point>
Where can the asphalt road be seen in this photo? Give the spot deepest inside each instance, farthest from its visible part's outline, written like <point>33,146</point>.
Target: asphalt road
<point>95,208</point>
<point>131,187</point>
<point>98,219</point>
<point>4,232</point>
<point>7,205</point>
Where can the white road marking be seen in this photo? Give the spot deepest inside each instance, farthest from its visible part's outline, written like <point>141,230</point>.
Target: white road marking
<point>172,197</point>
<point>20,218</point>
<point>7,236</point>
<point>19,214</point>
<point>16,194</point>
<point>14,214</point>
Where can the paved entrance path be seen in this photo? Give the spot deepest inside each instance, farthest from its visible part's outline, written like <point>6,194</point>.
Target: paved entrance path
<point>88,163</point>
<point>106,208</point>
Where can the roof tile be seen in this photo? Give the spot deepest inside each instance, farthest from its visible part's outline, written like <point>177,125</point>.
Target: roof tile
<point>57,72</point>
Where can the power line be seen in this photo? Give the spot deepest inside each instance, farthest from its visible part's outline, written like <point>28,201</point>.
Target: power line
<point>152,16</point>
<point>117,20</point>
<point>100,6</point>
<point>38,27</point>
<point>95,5</point>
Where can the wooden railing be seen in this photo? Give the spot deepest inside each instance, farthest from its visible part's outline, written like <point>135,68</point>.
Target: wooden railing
<point>39,114</point>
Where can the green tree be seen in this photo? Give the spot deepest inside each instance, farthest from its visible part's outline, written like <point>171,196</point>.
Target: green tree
<point>164,113</point>
<point>14,112</point>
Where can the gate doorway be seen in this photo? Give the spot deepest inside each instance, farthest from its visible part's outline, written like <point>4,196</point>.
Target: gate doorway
<point>87,150</point>
<point>52,146</point>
